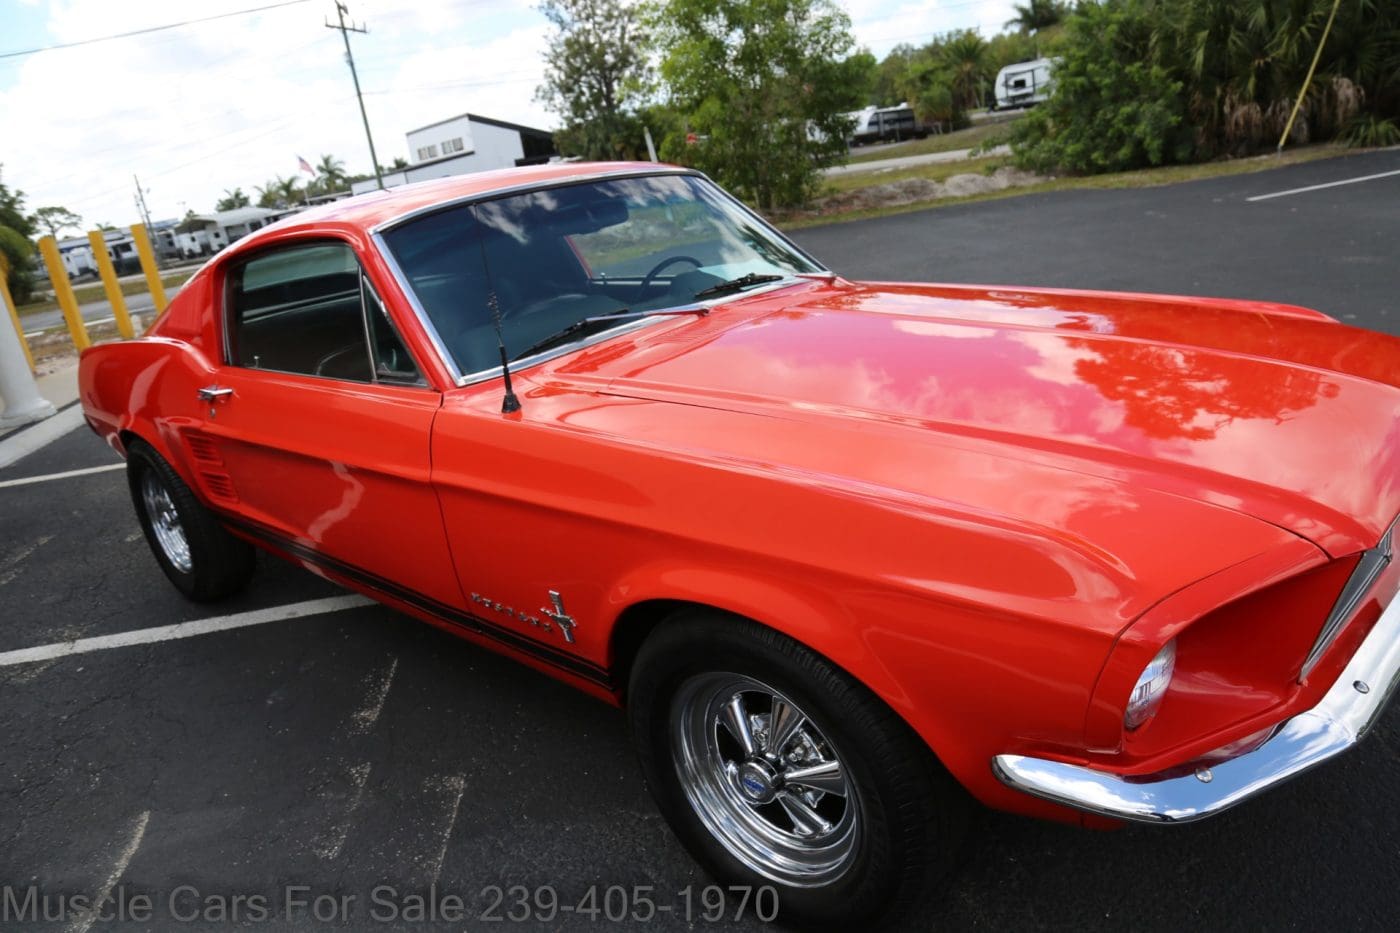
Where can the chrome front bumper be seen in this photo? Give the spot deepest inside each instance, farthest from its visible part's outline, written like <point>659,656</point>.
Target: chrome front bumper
<point>1181,795</point>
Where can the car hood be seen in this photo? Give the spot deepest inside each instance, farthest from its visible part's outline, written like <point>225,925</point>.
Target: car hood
<point>1276,412</point>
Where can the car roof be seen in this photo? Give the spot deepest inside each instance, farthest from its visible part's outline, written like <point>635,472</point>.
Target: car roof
<point>371,210</point>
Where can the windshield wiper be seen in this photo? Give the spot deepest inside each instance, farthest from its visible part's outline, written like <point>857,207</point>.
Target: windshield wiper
<point>622,315</point>
<point>739,284</point>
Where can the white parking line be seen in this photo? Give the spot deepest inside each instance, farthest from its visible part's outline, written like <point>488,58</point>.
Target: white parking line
<point>1330,184</point>
<point>85,919</point>
<point>26,480</point>
<point>24,442</point>
<point>148,636</point>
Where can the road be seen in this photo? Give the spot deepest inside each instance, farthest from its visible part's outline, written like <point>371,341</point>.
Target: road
<point>347,750</point>
<point>911,161</point>
<point>1334,249</point>
<point>92,311</point>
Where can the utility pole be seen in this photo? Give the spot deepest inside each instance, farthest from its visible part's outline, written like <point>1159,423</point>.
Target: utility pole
<point>145,213</point>
<point>340,11</point>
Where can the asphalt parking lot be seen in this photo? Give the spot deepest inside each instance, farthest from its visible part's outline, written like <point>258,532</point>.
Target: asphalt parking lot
<point>357,750</point>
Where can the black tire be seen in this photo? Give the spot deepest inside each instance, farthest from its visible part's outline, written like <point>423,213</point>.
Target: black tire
<point>217,564</point>
<point>911,815</point>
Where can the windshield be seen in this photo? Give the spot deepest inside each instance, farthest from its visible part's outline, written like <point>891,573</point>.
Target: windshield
<point>554,257</point>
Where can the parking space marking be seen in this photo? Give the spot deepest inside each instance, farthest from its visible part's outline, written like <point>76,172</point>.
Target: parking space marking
<point>86,918</point>
<point>457,786</point>
<point>146,636</point>
<point>1330,184</point>
<point>25,442</point>
<point>26,480</point>
<point>366,716</point>
<point>330,845</point>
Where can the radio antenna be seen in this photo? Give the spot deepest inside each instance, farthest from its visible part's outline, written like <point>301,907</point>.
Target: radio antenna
<point>510,403</point>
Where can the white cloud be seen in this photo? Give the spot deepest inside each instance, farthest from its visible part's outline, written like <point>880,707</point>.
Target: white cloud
<point>233,102</point>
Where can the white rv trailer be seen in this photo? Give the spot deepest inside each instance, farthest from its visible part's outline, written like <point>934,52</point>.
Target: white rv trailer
<point>1024,83</point>
<point>877,124</point>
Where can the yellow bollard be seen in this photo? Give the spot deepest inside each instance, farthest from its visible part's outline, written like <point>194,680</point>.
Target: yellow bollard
<point>110,283</point>
<point>9,300</point>
<point>148,264</point>
<point>63,291</point>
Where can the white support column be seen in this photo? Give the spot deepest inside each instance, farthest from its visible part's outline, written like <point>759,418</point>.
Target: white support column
<point>18,391</point>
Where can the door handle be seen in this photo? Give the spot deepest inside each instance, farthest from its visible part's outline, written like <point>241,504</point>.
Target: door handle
<point>214,393</point>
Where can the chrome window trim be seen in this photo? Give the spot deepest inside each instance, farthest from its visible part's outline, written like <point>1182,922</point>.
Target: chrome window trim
<point>419,311</point>
<point>366,286</point>
<point>1368,570</point>
<point>460,378</point>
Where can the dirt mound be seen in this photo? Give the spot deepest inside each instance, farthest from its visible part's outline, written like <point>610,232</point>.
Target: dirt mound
<point>918,190</point>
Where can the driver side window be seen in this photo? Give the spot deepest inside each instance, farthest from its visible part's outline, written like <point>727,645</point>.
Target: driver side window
<point>310,309</point>
<point>297,309</point>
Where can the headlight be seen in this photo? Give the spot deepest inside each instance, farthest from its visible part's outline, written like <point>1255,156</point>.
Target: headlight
<point>1151,686</point>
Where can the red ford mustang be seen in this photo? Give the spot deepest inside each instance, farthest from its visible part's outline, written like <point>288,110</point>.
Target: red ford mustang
<point>850,554</point>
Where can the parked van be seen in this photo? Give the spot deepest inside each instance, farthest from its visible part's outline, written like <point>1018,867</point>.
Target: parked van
<point>1024,84</point>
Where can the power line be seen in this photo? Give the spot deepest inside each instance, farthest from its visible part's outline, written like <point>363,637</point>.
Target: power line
<point>150,29</point>
<point>522,79</point>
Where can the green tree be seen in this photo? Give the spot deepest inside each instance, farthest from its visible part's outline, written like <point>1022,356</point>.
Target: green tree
<point>946,78</point>
<point>330,172</point>
<point>232,200</point>
<point>1148,81</point>
<point>885,87</point>
<point>965,57</point>
<point>288,191</point>
<point>1009,48</point>
<point>1038,15</point>
<point>15,230</point>
<point>763,87</point>
<point>1113,107</point>
<point>55,219</point>
<point>597,72</point>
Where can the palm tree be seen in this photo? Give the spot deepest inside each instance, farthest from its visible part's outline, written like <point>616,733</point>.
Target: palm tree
<point>1038,14</point>
<point>288,190</point>
<point>232,200</point>
<point>965,55</point>
<point>267,194</point>
<point>330,171</point>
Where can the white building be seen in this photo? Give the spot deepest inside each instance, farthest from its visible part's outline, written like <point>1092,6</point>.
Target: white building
<point>463,144</point>
<point>203,234</point>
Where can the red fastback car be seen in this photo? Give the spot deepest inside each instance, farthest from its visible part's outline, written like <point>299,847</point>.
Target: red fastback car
<point>850,554</point>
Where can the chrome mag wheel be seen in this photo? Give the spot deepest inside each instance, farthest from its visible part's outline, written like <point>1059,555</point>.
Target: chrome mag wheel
<point>165,522</point>
<point>764,780</point>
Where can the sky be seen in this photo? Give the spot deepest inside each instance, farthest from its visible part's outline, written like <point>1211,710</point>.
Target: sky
<point>211,106</point>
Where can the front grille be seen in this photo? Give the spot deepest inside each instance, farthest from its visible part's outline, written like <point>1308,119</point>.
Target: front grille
<point>1373,562</point>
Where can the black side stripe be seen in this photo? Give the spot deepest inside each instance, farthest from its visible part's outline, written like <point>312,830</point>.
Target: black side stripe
<point>579,667</point>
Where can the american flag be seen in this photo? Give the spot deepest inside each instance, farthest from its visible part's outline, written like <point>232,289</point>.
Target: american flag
<point>306,166</point>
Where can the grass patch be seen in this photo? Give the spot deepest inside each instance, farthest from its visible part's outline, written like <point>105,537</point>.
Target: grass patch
<point>934,171</point>
<point>1141,178</point>
<point>95,292</point>
<point>946,142</point>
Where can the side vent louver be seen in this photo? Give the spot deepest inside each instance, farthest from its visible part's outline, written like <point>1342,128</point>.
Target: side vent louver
<point>205,451</point>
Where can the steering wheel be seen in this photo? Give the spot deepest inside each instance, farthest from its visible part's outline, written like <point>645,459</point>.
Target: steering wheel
<point>666,264</point>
